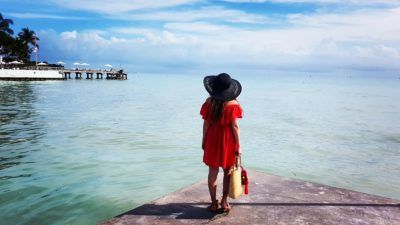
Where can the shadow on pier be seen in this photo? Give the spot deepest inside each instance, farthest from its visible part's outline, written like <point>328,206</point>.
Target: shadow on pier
<point>175,210</point>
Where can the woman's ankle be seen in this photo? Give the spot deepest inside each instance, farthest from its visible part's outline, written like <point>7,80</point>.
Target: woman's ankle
<point>224,199</point>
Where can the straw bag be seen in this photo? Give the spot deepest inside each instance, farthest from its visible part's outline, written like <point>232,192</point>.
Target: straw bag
<point>235,183</point>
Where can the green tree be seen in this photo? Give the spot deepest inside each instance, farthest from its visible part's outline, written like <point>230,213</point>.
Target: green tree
<point>6,39</point>
<point>19,47</point>
<point>19,50</point>
<point>5,25</point>
<point>29,40</point>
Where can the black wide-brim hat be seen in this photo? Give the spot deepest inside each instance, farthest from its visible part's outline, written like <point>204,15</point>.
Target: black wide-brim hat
<point>222,87</point>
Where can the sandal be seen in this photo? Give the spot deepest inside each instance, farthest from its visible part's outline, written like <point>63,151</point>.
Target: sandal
<point>227,207</point>
<point>214,206</point>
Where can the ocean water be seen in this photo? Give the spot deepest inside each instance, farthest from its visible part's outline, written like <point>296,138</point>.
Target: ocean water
<point>83,151</point>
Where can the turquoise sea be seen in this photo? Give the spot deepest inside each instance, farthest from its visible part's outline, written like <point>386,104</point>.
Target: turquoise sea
<point>83,151</point>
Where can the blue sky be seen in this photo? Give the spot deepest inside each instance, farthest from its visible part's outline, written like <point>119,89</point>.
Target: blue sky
<point>205,36</point>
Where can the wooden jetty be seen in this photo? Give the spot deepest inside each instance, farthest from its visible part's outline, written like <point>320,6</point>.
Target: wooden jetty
<point>90,74</point>
<point>272,200</point>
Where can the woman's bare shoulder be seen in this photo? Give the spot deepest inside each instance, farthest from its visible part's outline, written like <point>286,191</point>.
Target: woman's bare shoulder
<point>232,102</point>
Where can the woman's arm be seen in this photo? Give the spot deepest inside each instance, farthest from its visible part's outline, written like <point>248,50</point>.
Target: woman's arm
<point>235,129</point>
<point>206,124</point>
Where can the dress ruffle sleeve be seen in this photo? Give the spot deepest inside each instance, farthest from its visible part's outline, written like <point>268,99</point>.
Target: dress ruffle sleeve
<point>231,112</point>
<point>204,111</point>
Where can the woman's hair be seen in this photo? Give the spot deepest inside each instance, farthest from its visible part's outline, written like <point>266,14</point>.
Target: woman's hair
<point>217,106</point>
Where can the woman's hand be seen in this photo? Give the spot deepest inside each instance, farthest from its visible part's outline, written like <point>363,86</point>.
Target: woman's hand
<point>238,160</point>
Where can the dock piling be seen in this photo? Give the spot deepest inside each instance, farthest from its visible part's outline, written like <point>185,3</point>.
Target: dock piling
<point>78,75</point>
<point>89,75</point>
<point>99,75</point>
<point>67,75</point>
<point>109,74</point>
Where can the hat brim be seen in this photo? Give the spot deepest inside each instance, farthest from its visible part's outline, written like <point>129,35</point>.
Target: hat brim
<point>230,93</point>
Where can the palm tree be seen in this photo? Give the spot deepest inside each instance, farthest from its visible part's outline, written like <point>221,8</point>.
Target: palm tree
<point>6,43</point>
<point>19,50</point>
<point>19,47</point>
<point>6,39</point>
<point>28,38</point>
<point>5,25</point>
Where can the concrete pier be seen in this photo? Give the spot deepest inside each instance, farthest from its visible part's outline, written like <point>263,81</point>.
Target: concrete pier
<point>272,200</point>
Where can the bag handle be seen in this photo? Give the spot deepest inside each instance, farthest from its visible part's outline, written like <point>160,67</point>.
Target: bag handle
<point>238,162</point>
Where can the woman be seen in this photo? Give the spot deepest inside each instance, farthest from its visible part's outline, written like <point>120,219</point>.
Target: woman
<point>220,132</point>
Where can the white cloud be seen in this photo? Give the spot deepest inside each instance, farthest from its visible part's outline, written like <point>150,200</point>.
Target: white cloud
<point>69,35</point>
<point>118,6</point>
<point>347,2</point>
<point>356,40</point>
<point>363,24</point>
<point>204,13</point>
<point>42,16</point>
<point>199,27</point>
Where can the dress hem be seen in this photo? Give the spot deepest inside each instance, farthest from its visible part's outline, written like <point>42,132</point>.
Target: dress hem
<point>217,166</point>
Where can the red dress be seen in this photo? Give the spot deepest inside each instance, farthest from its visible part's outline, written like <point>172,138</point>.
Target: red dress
<point>220,144</point>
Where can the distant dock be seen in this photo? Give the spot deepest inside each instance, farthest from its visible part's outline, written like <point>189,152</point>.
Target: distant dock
<point>60,74</point>
<point>272,200</point>
<point>94,74</point>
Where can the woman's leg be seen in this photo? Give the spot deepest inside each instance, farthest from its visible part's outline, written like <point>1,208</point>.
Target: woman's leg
<point>225,192</point>
<point>212,182</point>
